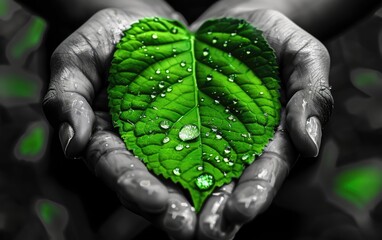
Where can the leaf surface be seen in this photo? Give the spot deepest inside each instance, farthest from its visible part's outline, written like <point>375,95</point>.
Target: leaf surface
<point>195,107</point>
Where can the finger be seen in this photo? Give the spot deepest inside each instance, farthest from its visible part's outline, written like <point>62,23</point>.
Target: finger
<point>179,219</point>
<point>261,180</point>
<point>212,224</point>
<point>304,63</point>
<point>107,156</point>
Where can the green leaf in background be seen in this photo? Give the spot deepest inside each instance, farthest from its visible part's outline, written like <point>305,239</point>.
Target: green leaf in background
<point>195,107</point>
<point>359,185</point>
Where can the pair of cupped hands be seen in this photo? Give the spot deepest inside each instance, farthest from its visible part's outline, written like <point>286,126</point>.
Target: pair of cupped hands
<point>76,105</point>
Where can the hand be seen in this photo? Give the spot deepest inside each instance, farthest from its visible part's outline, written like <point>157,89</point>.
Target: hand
<point>76,105</point>
<point>307,101</point>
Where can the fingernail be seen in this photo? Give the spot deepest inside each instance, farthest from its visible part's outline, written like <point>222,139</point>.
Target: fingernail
<point>65,134</point>
<point>178,216</point>
<point>251,201</point>
<point>313,128</point>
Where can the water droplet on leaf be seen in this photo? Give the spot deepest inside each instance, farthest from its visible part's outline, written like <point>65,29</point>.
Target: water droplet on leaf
<point>165,124</point>
<point>206,51</point>
<point>209,77</point>
<point>154,36</point>
<point>227,150</point>
<point>174,30</point>
<point>245,157</point>
<point>176,171</point>
<point>189,132</point>
<point>205,181</point>
<point>166,140</point>
<point>179,147</point>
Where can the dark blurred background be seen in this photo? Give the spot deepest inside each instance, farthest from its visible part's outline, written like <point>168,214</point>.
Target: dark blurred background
<point>45,196</point>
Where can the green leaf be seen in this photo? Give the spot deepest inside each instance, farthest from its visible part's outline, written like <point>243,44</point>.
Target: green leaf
<point>195,107</point>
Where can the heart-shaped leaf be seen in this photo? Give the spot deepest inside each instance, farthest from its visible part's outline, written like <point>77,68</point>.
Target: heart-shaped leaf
<point>195,107</point>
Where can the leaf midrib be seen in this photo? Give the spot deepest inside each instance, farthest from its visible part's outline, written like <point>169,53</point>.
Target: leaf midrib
<point>196,92</point>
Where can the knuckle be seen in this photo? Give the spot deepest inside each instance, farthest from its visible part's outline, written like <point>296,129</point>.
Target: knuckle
<point>320,51</point>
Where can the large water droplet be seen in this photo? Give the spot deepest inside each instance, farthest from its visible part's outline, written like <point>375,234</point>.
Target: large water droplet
<point>218,136</point>
<point>205,181</point>
<point>233,34</point>
<point>209,77</point>
<point>157,71</point>
<point>161,84</point>
<point>214,40</point>
<point>189,69</point>
<point>183,63</point>
<point>165,124</point>
<point>189,132</point>
<point>200,168</point>
<point>154,36</point>
<point>176,171</point>
<point>169,89</point>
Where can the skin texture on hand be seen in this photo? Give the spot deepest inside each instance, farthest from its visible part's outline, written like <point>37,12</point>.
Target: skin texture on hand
<point>304,64</point>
